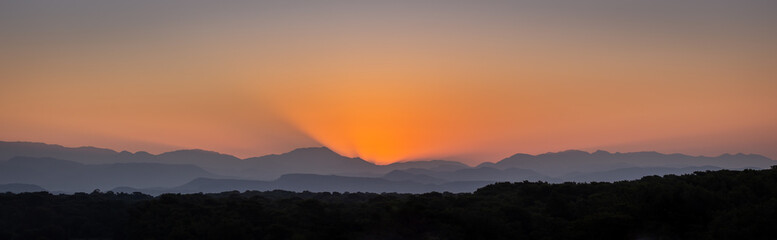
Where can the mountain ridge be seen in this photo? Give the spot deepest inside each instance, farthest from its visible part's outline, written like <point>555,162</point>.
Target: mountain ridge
<point>560,163</point>
<point>69,176</point>
<point>5,147</point>
<point>46,161</point>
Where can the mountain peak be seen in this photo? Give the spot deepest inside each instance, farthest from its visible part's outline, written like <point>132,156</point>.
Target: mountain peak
<point>563,162</point>
<point>601,152</point>
<point>521,155</point>
<point>574,152</point>
<point>196,153</point>
<point>312,150</point>
<point>743,155</point>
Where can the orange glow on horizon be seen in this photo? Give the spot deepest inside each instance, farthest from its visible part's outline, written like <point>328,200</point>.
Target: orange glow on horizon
<point>391,81</point>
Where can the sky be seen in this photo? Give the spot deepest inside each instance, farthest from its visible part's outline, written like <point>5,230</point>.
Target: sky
<point>391,81</point>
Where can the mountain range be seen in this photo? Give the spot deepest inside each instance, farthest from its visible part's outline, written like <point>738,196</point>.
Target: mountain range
<point>64,169</point>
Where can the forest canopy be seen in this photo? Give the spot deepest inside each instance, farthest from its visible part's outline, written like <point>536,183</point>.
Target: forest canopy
<point>721,204</point>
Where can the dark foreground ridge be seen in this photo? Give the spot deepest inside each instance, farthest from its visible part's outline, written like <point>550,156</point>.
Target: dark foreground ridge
<point>721,204</point>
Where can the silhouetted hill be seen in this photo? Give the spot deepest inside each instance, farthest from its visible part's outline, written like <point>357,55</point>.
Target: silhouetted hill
<point>313,183</point>
<point>69,176</point>
<point>487,174</point>
<point>557,164</point>
<point>20,188</point>
<point>322,160</point>
<point>217,163</point>
<point>496,175</point>
<point>404,175</point>
<point>214,162</point>
<point>569,165</point>
<point>414,180</point>
<point>434,165</point>
<point>9,150</point>
<point>633,173</point>
<point>207,185</point>
<point>319,160</point>
<point>721,204</point>
<point>331,183</point>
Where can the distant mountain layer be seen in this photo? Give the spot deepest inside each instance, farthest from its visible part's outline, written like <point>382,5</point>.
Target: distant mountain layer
<point>319,160</point>
<point>468,174</point>
<point>557,164</point>
<point>313,183</point>
<point>61,168</point>
<point>408,181</point>
<point>720,204</point>
<point>20,188</point>
<point>633,173</point>
<point>62,175</point>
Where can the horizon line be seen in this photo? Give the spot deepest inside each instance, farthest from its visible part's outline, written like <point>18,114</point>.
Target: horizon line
<point>401,161</point>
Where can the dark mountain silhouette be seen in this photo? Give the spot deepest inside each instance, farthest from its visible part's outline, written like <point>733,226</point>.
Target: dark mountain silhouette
<point>561,163</point>
<point>313,183</point>
<point>58,168</point>
<point>319,160</point>
<point>414,180</point>
<point>492,174</point>
<point>721,204</point>
<point>62,175</point>
<point>331,183</point>
<point>404,175</point>
<point>214,162</point>
<point>469,174</point>
<point>634,173</point>
<point>20,188</point>
<point>322,160</point>
<point>217,163</point>
<point>435,165</point>
<point>9,150</point>
<point>216,185</point>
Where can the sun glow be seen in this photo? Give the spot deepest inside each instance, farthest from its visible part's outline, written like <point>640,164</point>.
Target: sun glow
<point>390,81</point>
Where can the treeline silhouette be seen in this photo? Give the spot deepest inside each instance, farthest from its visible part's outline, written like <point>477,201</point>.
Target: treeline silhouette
<point>721,204</point>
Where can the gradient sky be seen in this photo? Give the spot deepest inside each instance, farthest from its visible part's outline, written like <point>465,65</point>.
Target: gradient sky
<point>392,80</point>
